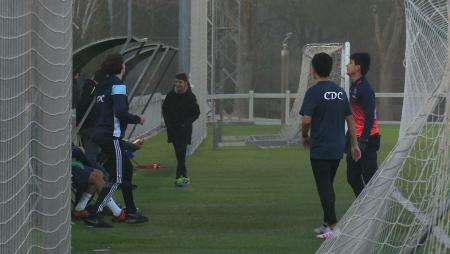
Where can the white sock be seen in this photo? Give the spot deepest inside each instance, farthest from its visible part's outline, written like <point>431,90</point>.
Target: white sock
<point>114,207</point>
<point>83,201</point>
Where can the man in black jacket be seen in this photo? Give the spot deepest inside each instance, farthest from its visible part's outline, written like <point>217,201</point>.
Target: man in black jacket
<point>88,125</point>
<point>180,110</point>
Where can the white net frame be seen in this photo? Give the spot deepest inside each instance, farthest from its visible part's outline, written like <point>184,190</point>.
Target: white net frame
<point>289,132</point>
<point>340,52</point>
<point>405,207</point>
<point>35,122</point>
<point>199,68</point>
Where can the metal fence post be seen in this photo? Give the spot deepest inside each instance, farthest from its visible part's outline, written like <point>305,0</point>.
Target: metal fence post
<point>287,105</point>
<point>251,100</point>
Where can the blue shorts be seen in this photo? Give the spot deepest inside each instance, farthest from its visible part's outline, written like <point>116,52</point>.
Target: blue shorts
<point>80,177</point>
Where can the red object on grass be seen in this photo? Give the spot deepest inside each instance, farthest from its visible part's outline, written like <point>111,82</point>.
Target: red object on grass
<point>150,166</point>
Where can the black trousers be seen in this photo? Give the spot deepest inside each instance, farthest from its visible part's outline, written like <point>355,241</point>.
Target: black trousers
<point>120,172</point>
<point>91,149</point>
<point>180,153</point>
<point>360,172</point>
<point>324,172</point>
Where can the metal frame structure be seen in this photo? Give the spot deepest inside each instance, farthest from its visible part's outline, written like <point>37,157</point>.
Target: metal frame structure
<point>82,56</point>
<point>224,26</point>
<point>135,51</point>
<point>152,77</point>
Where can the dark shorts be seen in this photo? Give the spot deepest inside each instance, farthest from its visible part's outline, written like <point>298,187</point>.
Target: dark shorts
<point>80,177</point>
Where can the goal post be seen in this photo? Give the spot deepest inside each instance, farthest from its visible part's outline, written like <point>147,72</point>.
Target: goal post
<point>340,53</point>
<point>289,132</point>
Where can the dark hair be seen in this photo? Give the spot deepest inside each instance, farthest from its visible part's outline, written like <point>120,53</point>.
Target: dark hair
<point>322,64</point>
<point>100,76</point>
<point>363,60</point>
<point>113,64</point>
<point>181,76</point>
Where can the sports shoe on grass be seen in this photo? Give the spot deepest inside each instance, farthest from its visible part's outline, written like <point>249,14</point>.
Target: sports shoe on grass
<point>322,229</point>
<point>182,181</point>
<point>326,235</point>
<point>81,214</point>
<point>96,221</point>
<point>135,218</point>
<point>179,180</point>
<point>121,218</point>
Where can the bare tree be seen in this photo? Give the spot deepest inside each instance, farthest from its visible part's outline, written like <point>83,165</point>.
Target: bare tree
<point>83,11</point>
<point>246,54</point>
<point>388,36</point>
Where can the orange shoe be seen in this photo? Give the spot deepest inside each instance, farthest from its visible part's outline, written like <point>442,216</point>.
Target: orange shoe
<point>121,218</point>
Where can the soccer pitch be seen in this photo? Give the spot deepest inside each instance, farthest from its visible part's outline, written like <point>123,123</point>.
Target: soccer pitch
<point>241,200</point>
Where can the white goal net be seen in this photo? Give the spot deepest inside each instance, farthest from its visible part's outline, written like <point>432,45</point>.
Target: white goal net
<point>405,207</point>
<point>35,125</point>
<point>340,53</point>
<point>289,132</point>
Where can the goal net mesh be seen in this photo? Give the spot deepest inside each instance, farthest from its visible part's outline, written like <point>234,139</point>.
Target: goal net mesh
<point>35,126</point>
<point>199,68</point>
<point>405,207</point>
<point>290,131</point>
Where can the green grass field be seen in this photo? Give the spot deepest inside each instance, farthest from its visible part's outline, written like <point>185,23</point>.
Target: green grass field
<point>241,200</point>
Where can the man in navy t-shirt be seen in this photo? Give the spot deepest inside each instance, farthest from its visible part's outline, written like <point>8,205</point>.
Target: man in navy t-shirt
<point>325,109</point>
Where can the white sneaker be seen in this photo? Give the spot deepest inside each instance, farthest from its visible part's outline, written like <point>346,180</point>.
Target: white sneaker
<point>326,235</point>
<point>322,229</point>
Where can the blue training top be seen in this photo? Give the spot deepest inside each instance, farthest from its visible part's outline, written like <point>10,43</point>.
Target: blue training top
<point>112,110</point>
<point>327,104</point>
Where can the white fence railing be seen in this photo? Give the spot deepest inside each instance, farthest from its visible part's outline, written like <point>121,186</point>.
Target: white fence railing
<point>287,97</point>
<point>154,120</point>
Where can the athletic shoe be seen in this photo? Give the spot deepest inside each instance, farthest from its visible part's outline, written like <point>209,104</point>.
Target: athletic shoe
<point>182,181</point>
<point>322,229</point>
<point>121,218</point>
<point>96,222</point>
<point>326,235</point>
<point>80,214</point>
<point>135,218</point>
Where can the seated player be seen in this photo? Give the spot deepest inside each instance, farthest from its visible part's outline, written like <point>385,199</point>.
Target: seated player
<point>88,181</point>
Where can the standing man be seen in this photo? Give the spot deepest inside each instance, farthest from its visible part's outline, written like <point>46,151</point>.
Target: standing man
<point>362,102</point>
<point>180,110</point>
<point>325,109</point>
<point>112,121</point>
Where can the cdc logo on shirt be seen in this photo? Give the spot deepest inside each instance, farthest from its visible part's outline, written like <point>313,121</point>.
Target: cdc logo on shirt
<point>333,95</point>
<point>100,98</point>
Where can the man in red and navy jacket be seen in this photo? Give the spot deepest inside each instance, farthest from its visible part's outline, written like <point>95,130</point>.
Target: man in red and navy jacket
<point>362,103</point>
